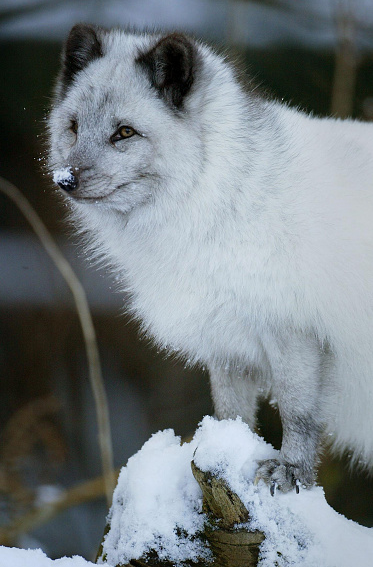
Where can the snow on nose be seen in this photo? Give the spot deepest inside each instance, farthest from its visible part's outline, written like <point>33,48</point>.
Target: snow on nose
<point>66,179</point>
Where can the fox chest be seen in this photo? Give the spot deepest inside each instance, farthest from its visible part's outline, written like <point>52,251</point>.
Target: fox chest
<point>205,311</point>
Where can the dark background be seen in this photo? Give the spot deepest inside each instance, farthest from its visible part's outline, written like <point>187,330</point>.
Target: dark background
<point>320,60</point>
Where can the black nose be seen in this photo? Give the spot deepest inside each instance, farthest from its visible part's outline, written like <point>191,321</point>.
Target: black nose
<point>68,183</point>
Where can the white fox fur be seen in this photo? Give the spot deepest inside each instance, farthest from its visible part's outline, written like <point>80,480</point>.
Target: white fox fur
<point>243,230</point>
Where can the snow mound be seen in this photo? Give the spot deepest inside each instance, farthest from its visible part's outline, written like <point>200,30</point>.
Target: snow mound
<point>157,504</point>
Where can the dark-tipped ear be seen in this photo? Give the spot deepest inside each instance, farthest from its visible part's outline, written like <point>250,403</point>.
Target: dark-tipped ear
<point>171,65</point>
<point>82,46</point>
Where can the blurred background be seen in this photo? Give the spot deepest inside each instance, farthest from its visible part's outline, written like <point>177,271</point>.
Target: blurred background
<point>315,54</point>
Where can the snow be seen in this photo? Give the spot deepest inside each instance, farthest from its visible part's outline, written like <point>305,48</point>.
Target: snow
<point>13,557</point>
<point>157,505</point>
<point>156,496</point>
<point>47,494</point>
<point>62,175</point>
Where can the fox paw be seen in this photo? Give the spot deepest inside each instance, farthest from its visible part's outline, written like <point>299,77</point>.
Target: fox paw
<point>282,475</point>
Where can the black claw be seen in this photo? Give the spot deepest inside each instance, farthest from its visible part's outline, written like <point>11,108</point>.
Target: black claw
<point>297,488</point>
<point>272,488</point>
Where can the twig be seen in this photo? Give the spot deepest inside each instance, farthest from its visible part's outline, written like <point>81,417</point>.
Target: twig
<point>95,376</point>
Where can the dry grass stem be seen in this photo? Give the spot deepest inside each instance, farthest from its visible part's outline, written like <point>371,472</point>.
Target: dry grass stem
<point>89,334</point>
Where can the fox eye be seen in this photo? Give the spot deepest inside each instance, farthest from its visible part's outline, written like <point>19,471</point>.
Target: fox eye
<point>122,133</point>
<point>74,126</point>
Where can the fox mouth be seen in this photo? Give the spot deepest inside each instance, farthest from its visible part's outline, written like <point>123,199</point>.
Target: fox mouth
<point>91,198</point>
<point>86,198</point>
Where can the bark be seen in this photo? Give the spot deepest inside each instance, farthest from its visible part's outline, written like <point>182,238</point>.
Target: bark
<point>231,546</point>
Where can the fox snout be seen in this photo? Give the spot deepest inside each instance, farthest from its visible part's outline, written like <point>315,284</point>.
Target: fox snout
<point>67,179</point>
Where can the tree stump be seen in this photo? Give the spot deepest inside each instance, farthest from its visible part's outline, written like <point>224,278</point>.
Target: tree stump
<point>231,546</point>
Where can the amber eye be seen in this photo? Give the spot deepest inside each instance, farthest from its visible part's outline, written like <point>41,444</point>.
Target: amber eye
<point>122,133</point>
<point>74,127</point>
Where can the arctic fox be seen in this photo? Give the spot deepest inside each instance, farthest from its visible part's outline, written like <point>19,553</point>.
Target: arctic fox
<point>242,228</point>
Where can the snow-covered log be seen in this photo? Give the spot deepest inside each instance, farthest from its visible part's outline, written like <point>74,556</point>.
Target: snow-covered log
<point>162,516</point>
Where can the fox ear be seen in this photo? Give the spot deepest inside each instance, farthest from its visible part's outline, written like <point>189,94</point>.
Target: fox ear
<point>171,66</point>
<point>82,46</point>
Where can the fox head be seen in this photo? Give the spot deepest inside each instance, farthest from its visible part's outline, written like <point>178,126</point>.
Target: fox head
<point>124,122</point>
